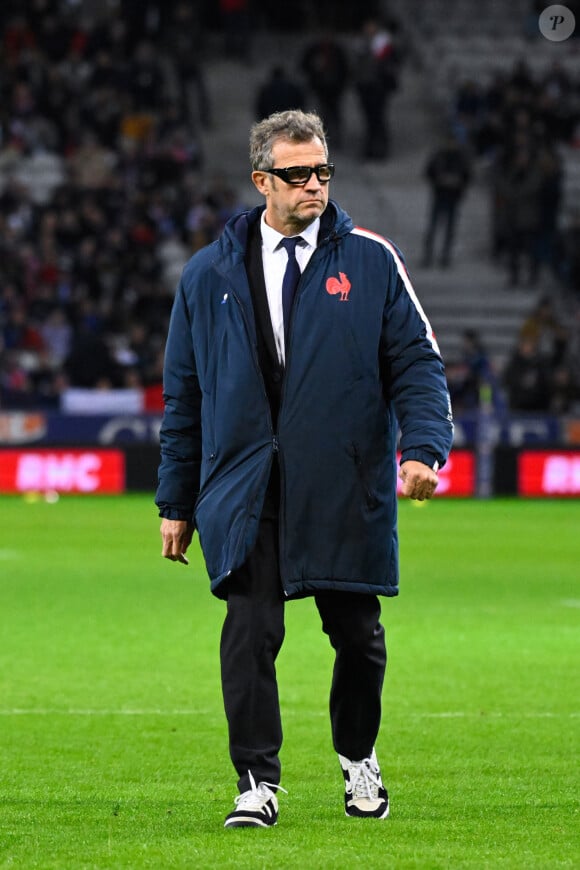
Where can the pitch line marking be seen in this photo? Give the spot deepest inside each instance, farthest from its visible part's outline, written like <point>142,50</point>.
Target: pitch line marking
<point>47,711</point>
<point>494,714</point>
<point>446,714</point>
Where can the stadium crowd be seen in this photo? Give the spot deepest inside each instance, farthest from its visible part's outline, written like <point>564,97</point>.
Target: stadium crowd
<point>514,127</point>
<point>103,194</point>
<point>102,190</point>
<point>516,123</point>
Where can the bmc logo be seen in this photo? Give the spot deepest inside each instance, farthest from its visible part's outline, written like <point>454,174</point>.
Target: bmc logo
<point>550,474</point>
<point>78,471</point>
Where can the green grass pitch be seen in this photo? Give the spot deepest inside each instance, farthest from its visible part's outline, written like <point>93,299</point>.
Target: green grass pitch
<point>113,746</point>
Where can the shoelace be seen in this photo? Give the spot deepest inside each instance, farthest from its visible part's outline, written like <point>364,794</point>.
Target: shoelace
<point>365,780</point>
<point>254,798</point>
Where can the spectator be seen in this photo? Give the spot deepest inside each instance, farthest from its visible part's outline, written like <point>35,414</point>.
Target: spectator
<point>376,72</point>
<point>278,93</point>
<point>467,114</point>
<point>571,359</point>
<point>237,26</point>
<point>564,390</point>
<point>550,198</point>
<point>146,78</point>
<point>16,387</point>
<point>91,164</point>
<point>448,174</point>
<point>470,373</point>
<point>183,40</point>
<point>18,334</point>
<point>553,348</point>
<point>90,363</point>
<point>325,65</point>
<point>546,331</point>
<point>56,334</point>
<point>520,188</point>
<point>568,254</point>
<point>527,377</point>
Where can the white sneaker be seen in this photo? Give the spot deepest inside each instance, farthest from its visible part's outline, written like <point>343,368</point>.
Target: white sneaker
<point>255,808</point>
<point>365,795</point>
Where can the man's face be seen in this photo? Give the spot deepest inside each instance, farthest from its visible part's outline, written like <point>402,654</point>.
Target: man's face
<point>292,207</point>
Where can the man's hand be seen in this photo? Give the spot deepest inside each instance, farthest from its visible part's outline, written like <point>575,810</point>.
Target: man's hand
<point>176,536</point>
<point>419,481</point>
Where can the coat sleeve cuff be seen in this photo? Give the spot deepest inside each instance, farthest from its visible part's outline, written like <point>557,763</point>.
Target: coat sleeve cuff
<point>423,456</point>
<point>169,513</point>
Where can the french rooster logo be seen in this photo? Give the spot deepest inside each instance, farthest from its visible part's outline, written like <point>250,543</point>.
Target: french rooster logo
<point>335,286</point>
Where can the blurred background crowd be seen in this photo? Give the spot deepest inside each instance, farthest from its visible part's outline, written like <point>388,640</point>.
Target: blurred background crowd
<point>108,109</point>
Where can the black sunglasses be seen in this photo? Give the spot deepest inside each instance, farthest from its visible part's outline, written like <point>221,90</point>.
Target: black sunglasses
<point>301,174</point>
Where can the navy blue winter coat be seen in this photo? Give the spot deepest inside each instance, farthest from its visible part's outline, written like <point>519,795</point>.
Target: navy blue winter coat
<point>361,361</point>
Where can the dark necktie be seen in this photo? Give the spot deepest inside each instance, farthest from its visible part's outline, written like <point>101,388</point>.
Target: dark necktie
<point>290,280</point>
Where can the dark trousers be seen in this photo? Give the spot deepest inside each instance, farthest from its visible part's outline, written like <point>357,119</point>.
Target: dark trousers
<point>522,249</point>
<point>252,635</point>
<point>443,214</point>
<point>373,100</point>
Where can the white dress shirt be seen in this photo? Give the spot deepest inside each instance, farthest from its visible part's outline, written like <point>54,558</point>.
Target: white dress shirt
<point>274,259</point>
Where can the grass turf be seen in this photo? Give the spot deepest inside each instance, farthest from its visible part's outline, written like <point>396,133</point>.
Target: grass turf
<point>112,736</point>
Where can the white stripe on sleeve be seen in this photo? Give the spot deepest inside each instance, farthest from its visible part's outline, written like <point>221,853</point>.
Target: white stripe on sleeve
<point>403,274</point>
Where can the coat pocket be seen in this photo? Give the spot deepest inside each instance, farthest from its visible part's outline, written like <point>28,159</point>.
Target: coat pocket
<point>364,476</point>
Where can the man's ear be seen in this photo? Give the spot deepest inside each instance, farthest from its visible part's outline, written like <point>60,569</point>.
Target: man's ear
<point>261,181</point>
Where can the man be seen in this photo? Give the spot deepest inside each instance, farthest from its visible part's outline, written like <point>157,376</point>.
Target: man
<point>448,174</point>
<point>278,93</point>
<point>376,66</point>
<point>325,65</point>
<point>278,446</point>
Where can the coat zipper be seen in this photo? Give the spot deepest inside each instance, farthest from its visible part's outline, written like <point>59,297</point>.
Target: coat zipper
<point>258,369</point>
<point>274,437</point>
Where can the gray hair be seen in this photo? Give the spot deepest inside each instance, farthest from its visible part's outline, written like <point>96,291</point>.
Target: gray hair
<point>293,125</point>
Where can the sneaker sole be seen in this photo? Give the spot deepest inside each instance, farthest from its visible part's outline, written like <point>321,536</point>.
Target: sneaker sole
<point>385,815</point>
<point>248,823</point>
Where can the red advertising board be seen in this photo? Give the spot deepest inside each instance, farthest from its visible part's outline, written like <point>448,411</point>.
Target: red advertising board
<point>64,471</point>
<point>549,473</point>
<point>89,471</point>
<point>457,477</point>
